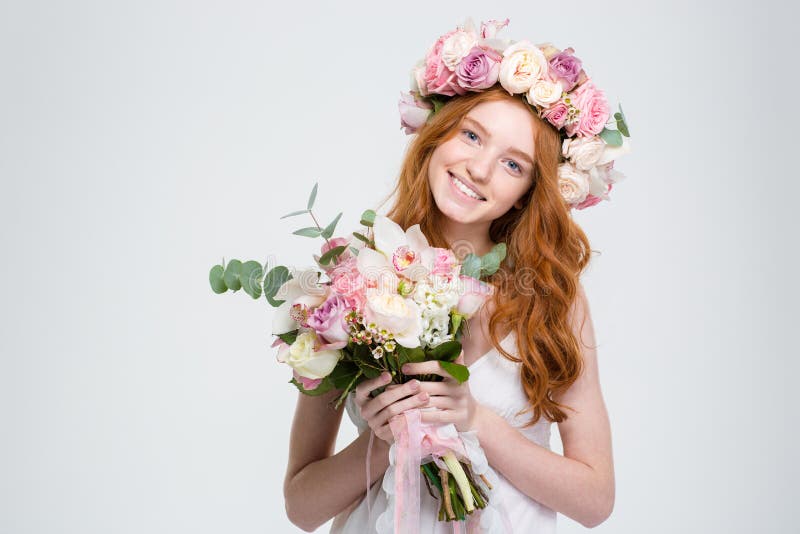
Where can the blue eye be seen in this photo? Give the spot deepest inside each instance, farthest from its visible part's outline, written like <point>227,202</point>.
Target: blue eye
<point>514,165</point>
<point>471,135</point>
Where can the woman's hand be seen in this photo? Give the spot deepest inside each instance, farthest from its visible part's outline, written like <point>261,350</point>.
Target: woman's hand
<point>395,400</point>
<point>454,400</point>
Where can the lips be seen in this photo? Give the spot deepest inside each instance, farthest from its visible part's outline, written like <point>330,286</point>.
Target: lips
<point>467,185</point>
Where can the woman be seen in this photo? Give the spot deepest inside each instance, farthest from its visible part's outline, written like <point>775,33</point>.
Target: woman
<point>482,170</point>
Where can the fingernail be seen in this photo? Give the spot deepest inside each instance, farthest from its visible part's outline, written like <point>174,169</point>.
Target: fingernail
<point>414,384</point>
<point>423,397</point>
<point>385,377</point>
<point>404,369</point>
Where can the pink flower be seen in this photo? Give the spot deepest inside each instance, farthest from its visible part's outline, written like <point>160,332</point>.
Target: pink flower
<point>444,262</point>
<point>309,384</point>
<point>474,294</point>
<point>556,114</point>
<point>490,28</point>
<point>347,281</point>
<point>437,77</point>
<point>479,69</point>
<point>414,111</point>
<point>593,107</point>
<point>329,324</point>
<point>566,68</point>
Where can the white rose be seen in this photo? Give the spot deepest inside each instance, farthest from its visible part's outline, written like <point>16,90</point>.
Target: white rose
<point>573,184</point>
<point>456,47</point>
<point>613,152</point>
<point>302,357</point>
<point>583,152</point>
<point>523,63</point>
<point>398,315</point>
<point>544,92</point>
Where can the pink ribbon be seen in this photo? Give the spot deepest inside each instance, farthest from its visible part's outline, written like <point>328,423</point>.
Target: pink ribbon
<point>413,441</point>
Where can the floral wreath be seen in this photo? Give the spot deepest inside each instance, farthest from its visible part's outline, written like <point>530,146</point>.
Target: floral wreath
<point>554,84</point>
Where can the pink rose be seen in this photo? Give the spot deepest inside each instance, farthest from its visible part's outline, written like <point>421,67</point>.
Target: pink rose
<point>437,77</point>
<point>444,262</point>
<point>347,281</point>
<point>414,112</point>
<point>593,107</point>
<point>479,69</point>
<point>556,114</point>
<point>329,324</point>
<point>474,294</point>
<point>566,67</point>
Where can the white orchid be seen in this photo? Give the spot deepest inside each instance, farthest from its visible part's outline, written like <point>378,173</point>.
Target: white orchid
<point>301,292</point>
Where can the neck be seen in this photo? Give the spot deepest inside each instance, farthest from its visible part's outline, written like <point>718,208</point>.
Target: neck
<point>466,238</point>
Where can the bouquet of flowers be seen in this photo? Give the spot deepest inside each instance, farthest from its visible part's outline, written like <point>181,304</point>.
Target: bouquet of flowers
<point>377,300</point>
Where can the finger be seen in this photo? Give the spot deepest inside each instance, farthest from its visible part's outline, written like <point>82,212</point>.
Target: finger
<point>363,389</point>
<point>430,367</point>
<point>374,406</point>
<point>443,403</point>
<point>417,401</point>
<point>438,388</point>
<point>436,417</point>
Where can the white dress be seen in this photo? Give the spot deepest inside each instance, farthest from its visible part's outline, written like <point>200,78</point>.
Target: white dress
<point>495,383</point>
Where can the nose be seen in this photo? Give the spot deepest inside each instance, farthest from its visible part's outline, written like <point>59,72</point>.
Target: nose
<point>479,166</point>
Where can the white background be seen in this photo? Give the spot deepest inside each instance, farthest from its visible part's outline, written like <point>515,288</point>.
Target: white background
<point>142,142</point>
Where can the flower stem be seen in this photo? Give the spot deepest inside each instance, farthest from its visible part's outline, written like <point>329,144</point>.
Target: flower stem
<point>461,480</point>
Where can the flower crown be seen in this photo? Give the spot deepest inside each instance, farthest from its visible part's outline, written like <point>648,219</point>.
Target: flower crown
<point>554,84</point>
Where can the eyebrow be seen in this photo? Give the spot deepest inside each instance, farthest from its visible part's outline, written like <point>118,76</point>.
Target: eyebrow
<point>519,153</point>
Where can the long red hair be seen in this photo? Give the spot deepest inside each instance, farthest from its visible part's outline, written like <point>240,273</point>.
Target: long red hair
<point>538,282</point>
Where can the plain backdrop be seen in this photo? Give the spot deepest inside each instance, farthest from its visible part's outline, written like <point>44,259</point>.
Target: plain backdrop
<point>142,142</point>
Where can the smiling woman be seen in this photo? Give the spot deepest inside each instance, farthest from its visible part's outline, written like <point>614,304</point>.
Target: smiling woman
<point>485,167</point>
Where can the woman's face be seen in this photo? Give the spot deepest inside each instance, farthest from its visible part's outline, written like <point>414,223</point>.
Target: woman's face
<point>492,155</point>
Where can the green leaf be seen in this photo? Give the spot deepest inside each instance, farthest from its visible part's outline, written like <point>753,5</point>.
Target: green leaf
<point>215,279</point>
<point>328,231</point>
<point>622,122</point>
<point>368,218</point>
<point>275,278</point>
<point>313,197</point>
<point>344,373</point>
<point>455,321</point>
<point>294,213</point>
<point>231,275</point>
<point>325,386</point>
<point>437,103</point>
<point>331,254</point>
<point>611,137</point>
<point>362,237</point>
<point>289,337</point>
<point>250,276</point>
<point>354,250</point>
<point>471,266</point>
<point>311,231</point>
<point>447,351</point>
<point>456,370</point>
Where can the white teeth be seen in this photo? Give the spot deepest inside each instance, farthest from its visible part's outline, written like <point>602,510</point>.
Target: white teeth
<point>467,191</point>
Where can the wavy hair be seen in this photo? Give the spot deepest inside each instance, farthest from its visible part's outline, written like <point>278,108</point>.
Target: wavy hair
<point>538,282</point>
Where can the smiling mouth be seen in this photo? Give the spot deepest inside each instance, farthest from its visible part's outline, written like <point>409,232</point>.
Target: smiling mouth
<point>464,188</point>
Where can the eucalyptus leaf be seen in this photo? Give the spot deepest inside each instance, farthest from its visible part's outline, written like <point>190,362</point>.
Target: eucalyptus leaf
<point>627,131</point>
<point>231,275</point>
<point>622,127</point>
<point>456,370</point>
<point>362,237</point>
<point>294,213</point>
<point>611,137</point>
<point>313,197</point>
<point>310,231</point>
<point>471,266</point>
<point>354,250</point>
<point>275,278</point>
<point>327,233</point>
<point>331,254</point>
<point>250,276</point>
<point>215,279</point>
<point>368,218</point>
